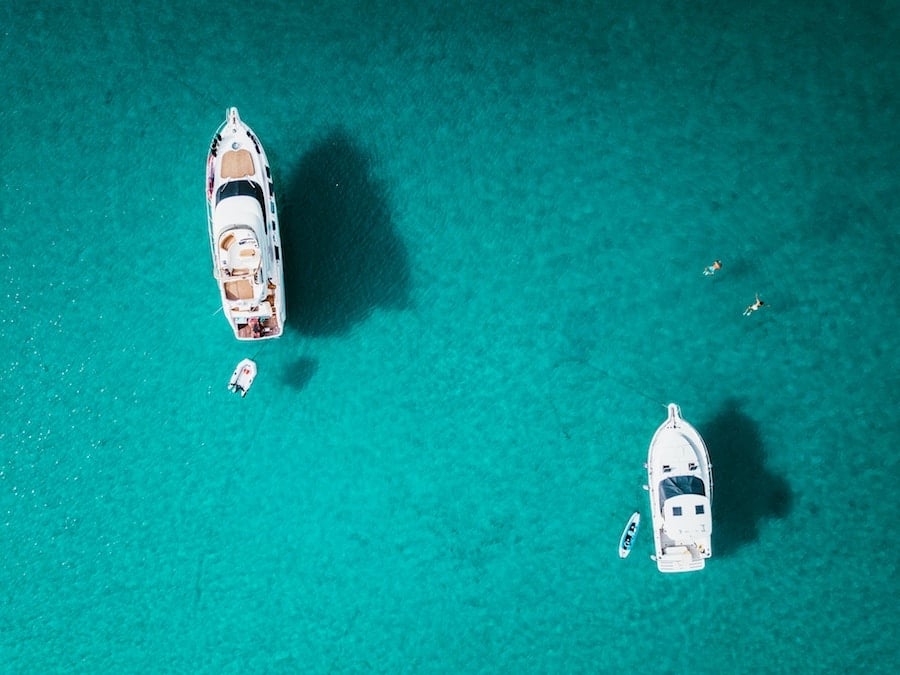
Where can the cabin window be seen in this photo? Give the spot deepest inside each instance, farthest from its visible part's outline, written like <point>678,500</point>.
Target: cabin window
<point>699,510</point>
<point>676,510</point>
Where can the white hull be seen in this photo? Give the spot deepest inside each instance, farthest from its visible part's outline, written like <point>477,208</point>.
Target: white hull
<point>242,377</point>
<point>626,541</point>
<point>680,486</point>
<point>243,232</point>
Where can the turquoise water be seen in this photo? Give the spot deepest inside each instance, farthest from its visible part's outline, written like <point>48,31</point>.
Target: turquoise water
<point>495,218</point>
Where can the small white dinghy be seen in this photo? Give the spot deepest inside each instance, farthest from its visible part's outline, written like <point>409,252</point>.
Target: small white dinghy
<point>242,377</point>
<point>629,533</point>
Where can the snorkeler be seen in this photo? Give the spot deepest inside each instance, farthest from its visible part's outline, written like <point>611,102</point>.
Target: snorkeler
<point>709,271</point>
<point>755,306</point>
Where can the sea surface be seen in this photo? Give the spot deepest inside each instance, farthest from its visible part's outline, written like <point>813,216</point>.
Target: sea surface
<point>495,220</point>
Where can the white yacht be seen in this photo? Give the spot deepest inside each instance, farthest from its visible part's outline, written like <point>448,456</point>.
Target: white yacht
<point>680,486</point>
<point>243,232</point>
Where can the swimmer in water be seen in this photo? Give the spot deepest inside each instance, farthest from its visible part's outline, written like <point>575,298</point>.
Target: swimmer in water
<point>755,306</point>
<point>709,271</point>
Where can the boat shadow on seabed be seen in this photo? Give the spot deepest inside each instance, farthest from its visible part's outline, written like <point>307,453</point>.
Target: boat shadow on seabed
<point>744,491</point>
<point>342,256</point>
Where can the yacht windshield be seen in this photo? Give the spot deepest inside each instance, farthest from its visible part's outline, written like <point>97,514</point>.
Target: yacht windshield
<point>680,485</point>
<point>243,188</point>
